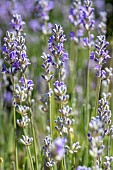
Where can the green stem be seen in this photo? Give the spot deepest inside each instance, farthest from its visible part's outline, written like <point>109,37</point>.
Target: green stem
<point>34,142</point>
<point>50,112</point>
<point>13,165</point>
<point>88,84</point>
<point>87,97</point>
<point>33,134</point>
<point>97,95</point>
<point>31,162</point>
<point>108,145</point>
<point>15,135</point>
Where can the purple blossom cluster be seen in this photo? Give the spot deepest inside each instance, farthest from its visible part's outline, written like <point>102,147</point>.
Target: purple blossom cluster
<point>53,151</point>
<point>60,91</point>
<point>87,13</point>
<point>75,19</point>
<point>14,49</point>
<point>95,137</point>
<point>41,12</point>
<point>82,18</point>
<point>100,56</point>
<point>56,46</point>
<point>17,23</point>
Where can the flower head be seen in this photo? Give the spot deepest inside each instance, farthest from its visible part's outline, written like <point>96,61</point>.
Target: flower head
<point>17,22</point>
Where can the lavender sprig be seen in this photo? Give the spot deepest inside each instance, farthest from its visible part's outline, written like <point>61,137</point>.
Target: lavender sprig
<point>53,151</point>
<point>16,59</point>
<point>75,19</point>
<point>100,57</point>
<point>95,137</point>
<point>48,76</point>
<point>102,24</point>
<point>42,9</point>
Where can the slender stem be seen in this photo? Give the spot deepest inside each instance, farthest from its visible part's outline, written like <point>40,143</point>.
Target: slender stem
<point>108,145</point>
<point>97,95</point>
<point>31,162</point>
<point>88,84</point>
<point>34,142</point>
<point>33,134</point>
<point>23,167</point>
<point>13,165</point>
<point>87,97</point>
<point>15,135</point>
<point>50,112</point>
<point>74,71</point>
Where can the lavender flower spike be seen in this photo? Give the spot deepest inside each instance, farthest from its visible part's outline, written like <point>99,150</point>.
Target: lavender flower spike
<point>75,19</point>
<point>17,23</point>
<point>100,55</point>
<point>87,15</point>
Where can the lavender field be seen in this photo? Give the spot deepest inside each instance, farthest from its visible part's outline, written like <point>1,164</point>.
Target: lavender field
<point>56,85</point>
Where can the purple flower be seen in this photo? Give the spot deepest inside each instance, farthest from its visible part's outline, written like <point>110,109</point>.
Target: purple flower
<point>75,18</point>
<point>72,34</point>
<point>56,46</point>
<point>58,148</point>
<point>41,11</point>
<point>13,55</point>
<point>100,55</point>
<point>58,84</point>
<point>65,57</point>
<point>4,48</point>
<point>88,41</point>
<point>14,49</point>
<point>17,22</point>
<point>16,65</point>
<point>22,80</point>
<point>30,84</point>
<point>4,70</point>
<point>87,15</point>
<point>92,56</point>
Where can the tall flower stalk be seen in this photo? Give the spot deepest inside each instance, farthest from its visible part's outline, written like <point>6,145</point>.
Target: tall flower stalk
<point>17,61</point>
<point>100,57</point>
<point>14,60</point>
<point>48,76</point>
<point>87,19</point>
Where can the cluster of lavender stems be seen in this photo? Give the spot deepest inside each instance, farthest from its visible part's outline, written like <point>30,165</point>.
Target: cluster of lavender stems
<point>59,149</point>
<point>82,17</point>
<point>54,62</point>
<point>17,62</point>
<point>100,126</point>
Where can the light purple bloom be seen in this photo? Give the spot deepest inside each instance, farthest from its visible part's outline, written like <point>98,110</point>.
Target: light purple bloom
<point>17,22</point>
<point>100,55</point>
<point>58,148</point>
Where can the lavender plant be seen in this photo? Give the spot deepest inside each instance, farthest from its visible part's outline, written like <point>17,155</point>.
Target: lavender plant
<point>100,57</point>
<point>16,58</point>
<point>67,119</point>
<point>42,9</point>
<point>75,19</point>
